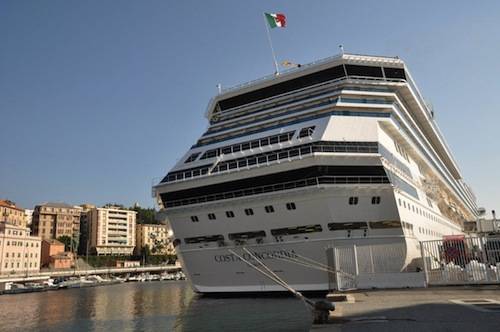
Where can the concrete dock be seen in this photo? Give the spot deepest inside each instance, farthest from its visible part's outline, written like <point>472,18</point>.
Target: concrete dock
<point>466,308</point>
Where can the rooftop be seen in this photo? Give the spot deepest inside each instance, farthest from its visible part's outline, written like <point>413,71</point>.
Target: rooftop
<point>59,205</point>
<point>10,204</point>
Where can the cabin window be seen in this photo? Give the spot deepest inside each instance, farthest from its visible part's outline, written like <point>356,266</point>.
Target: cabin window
<point>369,71</point>
<point>194,219</point>
<point>353,200</point>
<point>395,73</point>
<point>269,209</point>
<point>264,141</point>
<point>209,154</point>
<point>211,216</point>
<point>283,138</point>
<point>290,206</point>
<point>230,214</point>
<point>192,157</point>
<point>376,200</point>
<point>249,212</point>
<point>254,144</point>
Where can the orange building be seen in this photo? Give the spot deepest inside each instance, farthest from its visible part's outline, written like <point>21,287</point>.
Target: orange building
<point>11,213</point>
<point>50,248</point>
<point>65,260</point>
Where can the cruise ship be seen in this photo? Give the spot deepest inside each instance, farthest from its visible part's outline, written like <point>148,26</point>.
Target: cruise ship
<point>340,152</point>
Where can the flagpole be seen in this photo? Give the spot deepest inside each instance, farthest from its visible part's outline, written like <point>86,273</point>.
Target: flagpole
<point>271,45</point>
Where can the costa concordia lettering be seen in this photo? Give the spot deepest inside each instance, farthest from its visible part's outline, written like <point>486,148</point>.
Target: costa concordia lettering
<point>338,153</point>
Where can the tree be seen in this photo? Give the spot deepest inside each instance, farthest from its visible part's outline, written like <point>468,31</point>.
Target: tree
<point>69,242</point>
<point>145,216</point>
<point>146,252</point>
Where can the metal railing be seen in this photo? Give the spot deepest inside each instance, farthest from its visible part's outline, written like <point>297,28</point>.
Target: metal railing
<point>462,260</point>
<point>314,181</point>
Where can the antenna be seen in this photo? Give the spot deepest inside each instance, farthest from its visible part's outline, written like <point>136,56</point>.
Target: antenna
<point>341,49</point>
<point>219,88</point>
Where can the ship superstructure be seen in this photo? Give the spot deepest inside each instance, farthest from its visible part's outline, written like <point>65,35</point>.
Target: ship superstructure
<point>338,152</point>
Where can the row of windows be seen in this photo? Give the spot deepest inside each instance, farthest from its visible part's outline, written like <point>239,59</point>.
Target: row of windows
<point>280,123</point>
<point>25,265</point>
<point>20,244</point>
<point>248,212</point>
<point>343,226</point>
<point>419,211</point>
<point>285,107</point>
<point>280,187</point>
<point>19,255</point>
<point>301,150</point>
<point>314,228</point>
<point>309,80</point>
<point>423,230</point>
<point>354,200</point>
<point>266,141</point>
<point>264,158</point>
<point>292,179</point>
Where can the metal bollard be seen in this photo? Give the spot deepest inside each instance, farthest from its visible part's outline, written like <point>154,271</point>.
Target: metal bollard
<point>322,310</point>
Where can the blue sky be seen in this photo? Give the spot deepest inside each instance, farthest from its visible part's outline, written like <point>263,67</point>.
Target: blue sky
<point>97,98</point>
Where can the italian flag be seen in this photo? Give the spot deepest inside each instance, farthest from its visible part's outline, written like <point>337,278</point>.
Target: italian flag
<point>275,20</point>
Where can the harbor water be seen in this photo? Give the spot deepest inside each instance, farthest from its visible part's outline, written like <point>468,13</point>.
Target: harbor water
<point>148,306</point>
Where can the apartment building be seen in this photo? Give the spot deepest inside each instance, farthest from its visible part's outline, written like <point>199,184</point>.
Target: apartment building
<point>19,251</point>
<point>53,220</point>
<point>11,213</point>
<point>111,231</point>
<point>156,236</point>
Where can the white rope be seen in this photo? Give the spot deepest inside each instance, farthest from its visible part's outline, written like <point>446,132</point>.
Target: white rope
<point>319,266</point>
<point>273,276</point>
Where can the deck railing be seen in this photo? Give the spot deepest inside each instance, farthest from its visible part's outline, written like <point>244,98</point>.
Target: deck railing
<point>314,181</point>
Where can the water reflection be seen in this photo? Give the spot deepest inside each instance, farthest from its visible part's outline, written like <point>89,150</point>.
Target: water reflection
<point>154,306</point>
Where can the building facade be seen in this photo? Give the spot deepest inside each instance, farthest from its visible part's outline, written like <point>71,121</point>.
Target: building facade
<point>19,251</point>
<point>156,236</point>
<point>53,220</point>
<point>84,244</point>
<point>28,215</point>
<point>111,231</point>
<point>11,213</point>
<point>50,248</point>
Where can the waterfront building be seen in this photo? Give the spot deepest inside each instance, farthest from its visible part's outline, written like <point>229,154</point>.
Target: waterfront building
<point>11,213</point>
<point>28,215</point>
<point>50,247</point>
<point>111,231</point>
<point>19,251</point>
<point>156,236</point>
<point>340,153</point>
<point>125,263</point>
<point>53,220</point>
<point>84,244</point>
